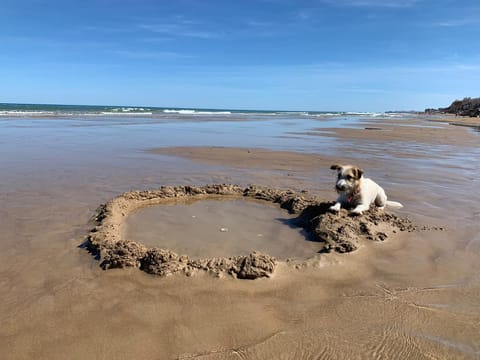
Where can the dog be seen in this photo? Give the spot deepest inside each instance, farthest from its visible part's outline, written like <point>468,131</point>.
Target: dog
<point>358,192</point>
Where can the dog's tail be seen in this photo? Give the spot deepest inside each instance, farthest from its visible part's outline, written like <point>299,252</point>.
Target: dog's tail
<point>394,204</point>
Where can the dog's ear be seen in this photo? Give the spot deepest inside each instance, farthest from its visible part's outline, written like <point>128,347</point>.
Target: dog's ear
<point>357,172</point>
<point>335,167</point>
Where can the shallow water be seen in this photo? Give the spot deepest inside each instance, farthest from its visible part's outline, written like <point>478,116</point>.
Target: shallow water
<point>220,228</point>
<point>416,296</point>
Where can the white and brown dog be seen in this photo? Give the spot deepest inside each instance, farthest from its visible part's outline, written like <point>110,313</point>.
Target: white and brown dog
<point>357,192</point>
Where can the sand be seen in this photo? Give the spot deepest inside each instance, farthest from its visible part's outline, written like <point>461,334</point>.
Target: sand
<point>341,232</point>
<point>251,158</point>
<point>413,295</point>
<point>473,122</point>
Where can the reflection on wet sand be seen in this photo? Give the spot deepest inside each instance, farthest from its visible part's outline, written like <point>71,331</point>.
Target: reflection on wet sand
<point>415,297</point>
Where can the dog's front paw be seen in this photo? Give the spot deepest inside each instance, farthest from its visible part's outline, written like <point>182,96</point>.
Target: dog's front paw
<point>336,207</point>
<point>358,210</point>
<point>355,213</point>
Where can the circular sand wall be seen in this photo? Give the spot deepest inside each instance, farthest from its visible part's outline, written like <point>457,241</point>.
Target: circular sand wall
<point>340,232</point>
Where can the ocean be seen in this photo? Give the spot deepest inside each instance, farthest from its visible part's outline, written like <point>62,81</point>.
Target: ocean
<point>116,128</point>
<point>42,110</point>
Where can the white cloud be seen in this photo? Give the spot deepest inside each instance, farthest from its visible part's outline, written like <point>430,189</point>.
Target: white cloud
<point>456,22</point>
<point>373,3</point>
<point>259,24</point>
<point>106,29</point>
<point>183,29</point>
<point>158,55</point>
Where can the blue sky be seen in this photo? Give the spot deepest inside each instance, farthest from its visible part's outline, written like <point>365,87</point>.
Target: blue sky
<point>333,55</point>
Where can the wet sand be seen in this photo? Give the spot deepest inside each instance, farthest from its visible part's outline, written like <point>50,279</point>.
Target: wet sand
<point>415,296</point>
<point>256,158</point>
<point>473,122</point>
<point>409,131</point>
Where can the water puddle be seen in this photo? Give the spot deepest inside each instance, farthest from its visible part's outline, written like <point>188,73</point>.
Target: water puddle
<point>220,228</point>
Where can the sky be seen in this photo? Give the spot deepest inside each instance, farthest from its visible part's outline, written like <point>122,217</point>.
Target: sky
<point>324,55</point>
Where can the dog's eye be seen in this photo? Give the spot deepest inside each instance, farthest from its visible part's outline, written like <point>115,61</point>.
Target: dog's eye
<point>349,177</point>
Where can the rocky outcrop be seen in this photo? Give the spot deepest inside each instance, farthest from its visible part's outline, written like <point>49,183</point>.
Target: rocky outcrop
<point>466,107</point>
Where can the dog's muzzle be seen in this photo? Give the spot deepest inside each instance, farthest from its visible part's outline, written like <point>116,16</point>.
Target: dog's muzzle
<point>341,185</point>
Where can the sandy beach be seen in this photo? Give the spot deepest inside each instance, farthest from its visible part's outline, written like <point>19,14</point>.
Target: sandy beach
<point>414,295</point>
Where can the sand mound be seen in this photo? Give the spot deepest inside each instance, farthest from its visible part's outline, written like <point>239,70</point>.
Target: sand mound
<point>337,232</point>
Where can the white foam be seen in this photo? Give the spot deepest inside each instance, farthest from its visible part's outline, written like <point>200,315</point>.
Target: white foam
<point>348,113</point>
<point>129,109</point>
<point>324,114</point>
<point>359,113</point>
<point>293,112</point>
<point>195,112</point>
<point>125,113</point>
<point>25,113</point>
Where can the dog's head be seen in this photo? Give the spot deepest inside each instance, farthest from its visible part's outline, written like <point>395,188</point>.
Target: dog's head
<point>348,178</point>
